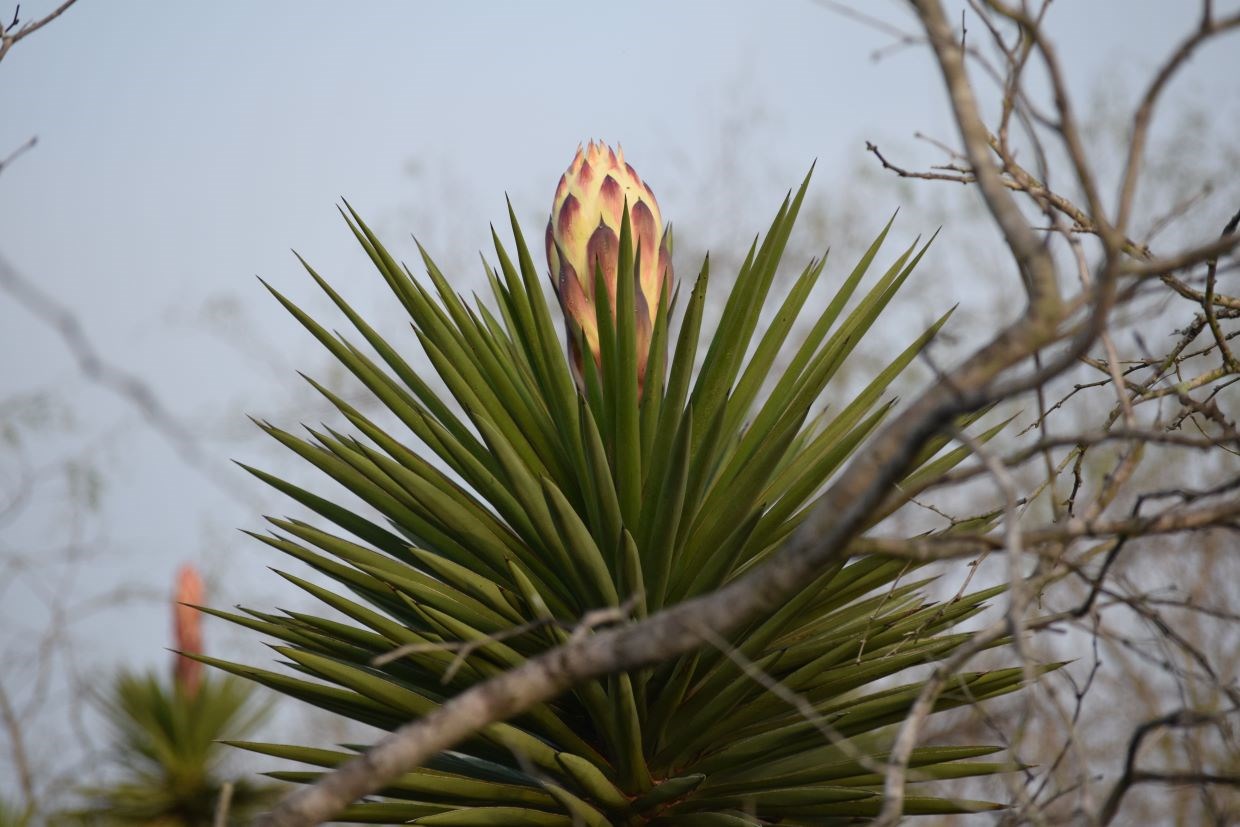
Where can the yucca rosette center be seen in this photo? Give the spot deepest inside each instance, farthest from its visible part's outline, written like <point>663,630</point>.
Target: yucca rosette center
<point>583,237</point>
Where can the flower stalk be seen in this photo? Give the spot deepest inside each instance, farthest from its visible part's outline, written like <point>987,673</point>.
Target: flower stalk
<point>187,630</point>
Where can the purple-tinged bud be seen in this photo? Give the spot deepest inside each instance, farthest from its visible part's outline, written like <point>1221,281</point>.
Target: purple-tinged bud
<point>584,232</point>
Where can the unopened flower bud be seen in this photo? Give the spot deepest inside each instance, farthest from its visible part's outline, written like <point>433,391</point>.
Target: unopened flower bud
<point>584,233</point>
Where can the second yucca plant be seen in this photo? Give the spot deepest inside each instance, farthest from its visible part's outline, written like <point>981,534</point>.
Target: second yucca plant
<point>627,475</point>
<point>165,759</point>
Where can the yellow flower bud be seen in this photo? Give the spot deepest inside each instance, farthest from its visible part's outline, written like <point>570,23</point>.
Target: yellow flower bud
<point>584,232</point>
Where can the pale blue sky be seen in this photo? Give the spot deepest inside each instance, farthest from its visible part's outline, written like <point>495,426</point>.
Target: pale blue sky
<point>185,146</point>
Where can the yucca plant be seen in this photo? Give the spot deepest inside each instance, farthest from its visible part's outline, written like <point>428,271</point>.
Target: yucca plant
<point>547,487</point>
<point>11,815</point>
<point>167,738</point>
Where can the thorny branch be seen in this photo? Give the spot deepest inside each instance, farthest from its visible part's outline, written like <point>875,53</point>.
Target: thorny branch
<point>17,749</point>
<point>25,147</point>
<point>16,30</point>
<point>1194,511</point>
<point>95,367</point>
<point>1181,718</point>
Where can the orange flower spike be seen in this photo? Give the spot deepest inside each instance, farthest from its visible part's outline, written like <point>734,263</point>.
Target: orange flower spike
<point>187,629</point>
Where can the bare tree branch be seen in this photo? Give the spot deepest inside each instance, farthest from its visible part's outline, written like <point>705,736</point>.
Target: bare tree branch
<point>11,34</point>
<point>126,385</point>
<point>28,145</point>
<point>1132,776</point>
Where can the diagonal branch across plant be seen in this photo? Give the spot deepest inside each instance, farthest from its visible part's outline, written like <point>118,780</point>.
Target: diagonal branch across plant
<point>616,476</point>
